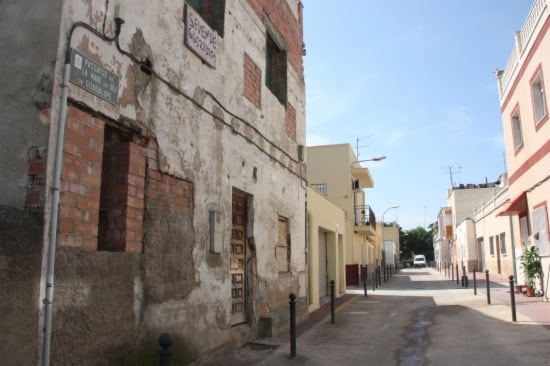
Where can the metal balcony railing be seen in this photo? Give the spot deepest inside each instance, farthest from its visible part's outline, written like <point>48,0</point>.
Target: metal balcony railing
<point>364,216</point>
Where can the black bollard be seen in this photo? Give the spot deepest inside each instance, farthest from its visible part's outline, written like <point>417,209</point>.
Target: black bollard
<point>332,314</point>
<point>379,277</point>
<point>165,354</point>
<point>512,298</point>
<point>373,280</point>
<point>292,303</point>
<point>365,272</point>
<point>475,283</point>
<point>488,287</point>
<point>384,272</point>
<point>457,273</point>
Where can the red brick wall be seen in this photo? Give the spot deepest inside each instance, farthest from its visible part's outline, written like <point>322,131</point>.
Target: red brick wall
<point>252,81</point>
<point>171,193</point>
<point>81,185</point>
<point>80,180</point>
<point>290,123</point>
<point>289,27</point>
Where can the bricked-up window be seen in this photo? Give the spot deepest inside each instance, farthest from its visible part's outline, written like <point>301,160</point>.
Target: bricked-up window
<point>276,69</point>
<point>539,102</point>
<point>282,249</point>
<point>252,84</point>
<point>212,11</point>
<point>121,194</point>
<point>290,124</point>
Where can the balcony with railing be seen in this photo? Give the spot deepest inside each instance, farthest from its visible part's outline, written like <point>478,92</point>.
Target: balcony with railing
<point>365,220</point>
<point>524,41</point>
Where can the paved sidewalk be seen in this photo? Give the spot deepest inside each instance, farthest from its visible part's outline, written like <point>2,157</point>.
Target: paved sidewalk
<point>529,310</point>
<point>276,351</point>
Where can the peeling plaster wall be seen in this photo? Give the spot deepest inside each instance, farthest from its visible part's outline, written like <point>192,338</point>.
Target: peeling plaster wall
<point>176,285</point>
<point>29,32</point>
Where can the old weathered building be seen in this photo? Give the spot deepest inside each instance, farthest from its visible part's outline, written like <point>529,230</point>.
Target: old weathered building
<point>153,177</point>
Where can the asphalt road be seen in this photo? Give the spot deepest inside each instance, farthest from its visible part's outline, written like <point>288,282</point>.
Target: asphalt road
<point>416,318</point>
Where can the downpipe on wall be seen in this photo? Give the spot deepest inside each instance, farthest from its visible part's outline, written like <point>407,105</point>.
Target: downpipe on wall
<point>54,209</point>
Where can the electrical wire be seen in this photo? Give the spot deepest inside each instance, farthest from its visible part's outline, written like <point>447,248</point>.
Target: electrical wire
<point>147,68</point>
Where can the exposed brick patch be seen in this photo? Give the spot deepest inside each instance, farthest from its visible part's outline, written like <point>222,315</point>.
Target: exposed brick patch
<point>252,84</point>
<point>288,25</point>
<point>35,184</point>
<point>102,186</point>
<point>80,179</point>
<point>290,123</point>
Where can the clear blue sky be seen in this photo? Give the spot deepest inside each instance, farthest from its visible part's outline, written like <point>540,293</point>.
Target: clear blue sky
<point>412,80</point>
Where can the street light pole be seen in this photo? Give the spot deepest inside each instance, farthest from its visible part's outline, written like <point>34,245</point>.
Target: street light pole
<point>383,226</point>
<point>376,158</point>
<point>363,249</point>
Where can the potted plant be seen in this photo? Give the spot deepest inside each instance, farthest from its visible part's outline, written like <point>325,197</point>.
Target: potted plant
<point>532,267</point>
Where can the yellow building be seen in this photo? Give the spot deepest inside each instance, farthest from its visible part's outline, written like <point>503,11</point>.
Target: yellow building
<point>335,171</point>
<point>325,248</point>
<point>524,108</point>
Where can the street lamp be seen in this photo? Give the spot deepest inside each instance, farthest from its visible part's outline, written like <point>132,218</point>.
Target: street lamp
<point>376,158</point>
<point>383,225</point>
<point>357,187</point>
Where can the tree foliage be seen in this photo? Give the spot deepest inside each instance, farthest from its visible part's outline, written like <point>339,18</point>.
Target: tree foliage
<point>417,241</point>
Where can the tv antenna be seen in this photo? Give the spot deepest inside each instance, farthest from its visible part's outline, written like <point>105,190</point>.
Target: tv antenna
<point>357,145</point>
<point>452,171</point>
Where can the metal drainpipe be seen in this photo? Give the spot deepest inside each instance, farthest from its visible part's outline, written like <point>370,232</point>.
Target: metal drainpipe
<point>50,264</point>
<point>48,301</point>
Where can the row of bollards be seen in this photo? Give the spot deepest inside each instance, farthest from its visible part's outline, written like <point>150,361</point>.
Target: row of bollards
<point>376,278</point>
<point>165,340</point>
<point>451,270</point>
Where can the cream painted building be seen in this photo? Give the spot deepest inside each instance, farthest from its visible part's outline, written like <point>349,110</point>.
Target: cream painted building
<point>443,238</point>
<point>325,248</point>
<point>525,119</point>
<point>495,243</point>
<point>334,171</point>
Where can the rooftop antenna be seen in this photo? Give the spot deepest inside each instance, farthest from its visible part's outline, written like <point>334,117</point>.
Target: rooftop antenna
<point>451,171</point>
<point>357,145</point>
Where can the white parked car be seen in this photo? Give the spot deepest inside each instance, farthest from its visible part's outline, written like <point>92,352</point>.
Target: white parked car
<point>419,260</point>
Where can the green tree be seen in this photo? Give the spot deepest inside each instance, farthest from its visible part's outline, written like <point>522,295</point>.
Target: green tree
<point>417,241</point>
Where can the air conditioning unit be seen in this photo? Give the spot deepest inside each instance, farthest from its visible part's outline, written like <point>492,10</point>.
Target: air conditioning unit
<point>356,184</point>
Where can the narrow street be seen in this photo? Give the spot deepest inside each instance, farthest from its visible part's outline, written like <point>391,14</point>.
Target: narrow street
<point>418,317</point>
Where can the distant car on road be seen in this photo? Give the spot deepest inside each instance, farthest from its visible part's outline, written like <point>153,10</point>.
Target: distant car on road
<point>419,261</point>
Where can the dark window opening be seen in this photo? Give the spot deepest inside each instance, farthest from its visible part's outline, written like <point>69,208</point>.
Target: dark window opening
<point>276,69</point>
<point>212,11</point>
<point>114,191</point>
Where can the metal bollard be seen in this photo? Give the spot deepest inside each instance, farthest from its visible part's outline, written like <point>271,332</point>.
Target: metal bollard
<point>488,287</point>
<point>379,277</point>
<point>475,283</point>
<point>292,303</point>
<point>457,273</point>
<point>332,314</point>
<point>165,354</point>
<point>384,272</point>
<point>365,272</point>
<point>512,298</point>
<point>373,280</point>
